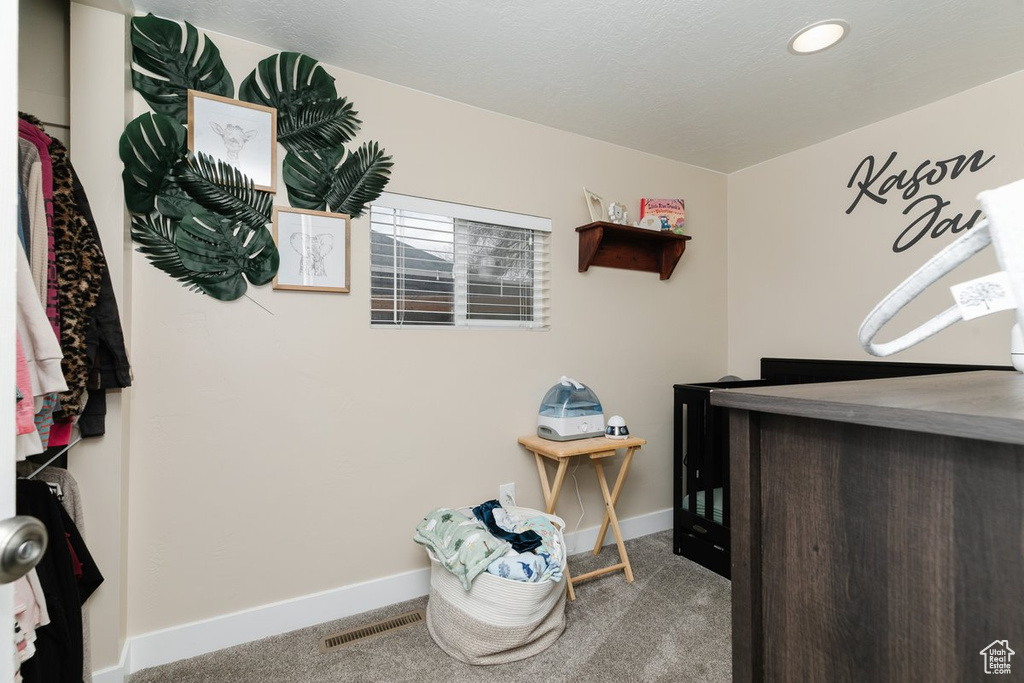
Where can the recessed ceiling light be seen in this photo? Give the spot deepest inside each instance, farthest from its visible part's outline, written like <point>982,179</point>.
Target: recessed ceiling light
<point>819,36</point>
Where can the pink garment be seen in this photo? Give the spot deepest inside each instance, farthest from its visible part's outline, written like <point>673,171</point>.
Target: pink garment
<point>29,611</point>
<point>25,408</point>
<point>42,142</point>
<point>60,434</point>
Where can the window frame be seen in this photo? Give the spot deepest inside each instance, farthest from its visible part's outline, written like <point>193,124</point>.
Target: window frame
<point>460,314</point>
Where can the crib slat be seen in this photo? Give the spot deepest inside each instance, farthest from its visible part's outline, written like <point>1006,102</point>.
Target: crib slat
<point>695,416</point>
<point>713,449</point>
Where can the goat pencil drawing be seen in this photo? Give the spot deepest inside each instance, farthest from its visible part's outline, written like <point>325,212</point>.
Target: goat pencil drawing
<point>234,138</point>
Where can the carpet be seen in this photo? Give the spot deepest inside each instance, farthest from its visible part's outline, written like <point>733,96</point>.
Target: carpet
<point>671,625</point>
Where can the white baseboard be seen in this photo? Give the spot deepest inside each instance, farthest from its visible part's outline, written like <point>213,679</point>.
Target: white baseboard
<point>114,674</point>
<point>200,637</point>
<point>634,527</point>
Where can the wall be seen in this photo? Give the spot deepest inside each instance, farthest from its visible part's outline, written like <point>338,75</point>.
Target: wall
<point>44,74</point>
<point>280,452</point>
<point>803,273</point>
<point>98,75</point>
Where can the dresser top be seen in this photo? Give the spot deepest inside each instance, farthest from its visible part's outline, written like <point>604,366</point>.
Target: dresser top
<point>987,405</point>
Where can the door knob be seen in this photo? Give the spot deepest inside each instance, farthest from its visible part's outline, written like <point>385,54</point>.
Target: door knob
<point>22,544</point>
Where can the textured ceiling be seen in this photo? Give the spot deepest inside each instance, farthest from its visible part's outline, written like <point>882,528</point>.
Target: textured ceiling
<point>706,82</point>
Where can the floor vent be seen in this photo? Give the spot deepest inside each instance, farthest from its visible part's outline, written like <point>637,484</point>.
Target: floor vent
<point>336,641</point>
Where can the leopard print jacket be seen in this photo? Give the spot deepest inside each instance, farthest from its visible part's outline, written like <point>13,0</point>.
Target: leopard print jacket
<point>80,268</point>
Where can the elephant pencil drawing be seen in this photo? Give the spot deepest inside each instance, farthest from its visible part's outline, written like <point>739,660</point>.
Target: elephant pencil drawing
<point>312,249</point>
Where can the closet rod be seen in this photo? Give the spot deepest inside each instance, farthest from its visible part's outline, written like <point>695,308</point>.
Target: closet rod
<point>47,463</point>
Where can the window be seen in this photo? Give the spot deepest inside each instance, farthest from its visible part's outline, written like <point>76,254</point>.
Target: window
<point>438,263</point>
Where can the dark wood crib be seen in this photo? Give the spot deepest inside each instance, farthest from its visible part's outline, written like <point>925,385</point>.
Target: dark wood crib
<point>701,532</point>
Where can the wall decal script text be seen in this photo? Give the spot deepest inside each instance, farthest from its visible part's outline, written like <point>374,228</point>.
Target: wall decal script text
<point>926,209</point>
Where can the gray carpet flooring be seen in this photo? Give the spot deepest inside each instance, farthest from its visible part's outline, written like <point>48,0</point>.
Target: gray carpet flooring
<point>671,625</point>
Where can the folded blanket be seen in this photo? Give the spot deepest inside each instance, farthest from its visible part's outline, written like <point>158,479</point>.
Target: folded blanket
<point>461,544</point>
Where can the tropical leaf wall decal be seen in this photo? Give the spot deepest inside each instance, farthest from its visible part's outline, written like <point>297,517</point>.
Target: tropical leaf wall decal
<point>359,180</point>
<point>151,145</point>
<point>220,246</point>
<point>307,176</point>
<point>323,182</point>
<point>200,219</point>
<point>218,186</point>
<point>155,236</point>
<point>314,124</point>
<point>318,125</point>
<point>175,68</point>
<point>287,81</point>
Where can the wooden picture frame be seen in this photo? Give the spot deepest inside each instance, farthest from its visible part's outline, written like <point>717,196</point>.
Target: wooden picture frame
<point>238,133</point>
<point>314,249</point>
<point>596,206</point>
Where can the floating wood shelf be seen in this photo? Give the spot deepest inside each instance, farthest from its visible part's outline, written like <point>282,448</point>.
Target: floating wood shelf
<point>621,246</point>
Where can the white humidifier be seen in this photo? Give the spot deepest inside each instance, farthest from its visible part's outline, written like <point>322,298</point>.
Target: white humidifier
<point>570,411</point>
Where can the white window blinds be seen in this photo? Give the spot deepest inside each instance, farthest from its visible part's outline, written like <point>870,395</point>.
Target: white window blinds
<point>438,263</point>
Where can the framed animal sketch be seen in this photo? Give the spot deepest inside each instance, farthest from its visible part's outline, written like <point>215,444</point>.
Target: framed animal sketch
<point>238,133</point>
<point>314,248</point>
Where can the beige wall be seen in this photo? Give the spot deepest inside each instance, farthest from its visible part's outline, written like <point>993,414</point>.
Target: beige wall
<point>803,274</point>
<point>279,454</point>
<point>43,64</point>
<point>100,465</point>
<point>276,454</point>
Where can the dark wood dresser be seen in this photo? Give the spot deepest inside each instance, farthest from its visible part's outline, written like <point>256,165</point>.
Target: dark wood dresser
<point>877,528</point>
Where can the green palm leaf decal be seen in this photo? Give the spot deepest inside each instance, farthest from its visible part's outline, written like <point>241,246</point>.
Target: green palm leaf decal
<point>150,147</point>
<point>359,180</point>
<point>220,187</point>
<point>155,236</point>
<point>287,81</point>
<point>318,125</point>
<point>316,180</point>
<point>214,245</point>
<point>201,220</point>
<point>173,202</point>
<point>307,176</point>
<point>157,48</point>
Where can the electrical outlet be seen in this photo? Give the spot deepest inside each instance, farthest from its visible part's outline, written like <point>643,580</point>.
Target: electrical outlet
<point>507,494</point>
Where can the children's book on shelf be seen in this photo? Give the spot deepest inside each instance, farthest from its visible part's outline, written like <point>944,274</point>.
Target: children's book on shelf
<point>671,212</point>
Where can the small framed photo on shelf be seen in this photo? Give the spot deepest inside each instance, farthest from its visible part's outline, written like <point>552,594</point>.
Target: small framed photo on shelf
<point>618,214</point>
<point>596,205</point>
<point>314,248</point>
<point>238,133</point>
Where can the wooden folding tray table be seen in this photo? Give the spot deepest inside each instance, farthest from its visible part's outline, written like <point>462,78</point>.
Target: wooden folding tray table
<point>596,449</point>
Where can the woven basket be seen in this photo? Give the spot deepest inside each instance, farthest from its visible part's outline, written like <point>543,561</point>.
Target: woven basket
<point>498,620</point>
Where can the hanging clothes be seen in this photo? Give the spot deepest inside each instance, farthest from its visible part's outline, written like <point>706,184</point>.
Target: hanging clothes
<point>70,351</point>
<point>80,268</point>
<point>31,130</point>
<point>59,645</point>
<point>70,499</point>
<point>41,350</point>
<point>87,321</point>
<point>29,614</point>
<point>34,214</point>
<point>104,341</point>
